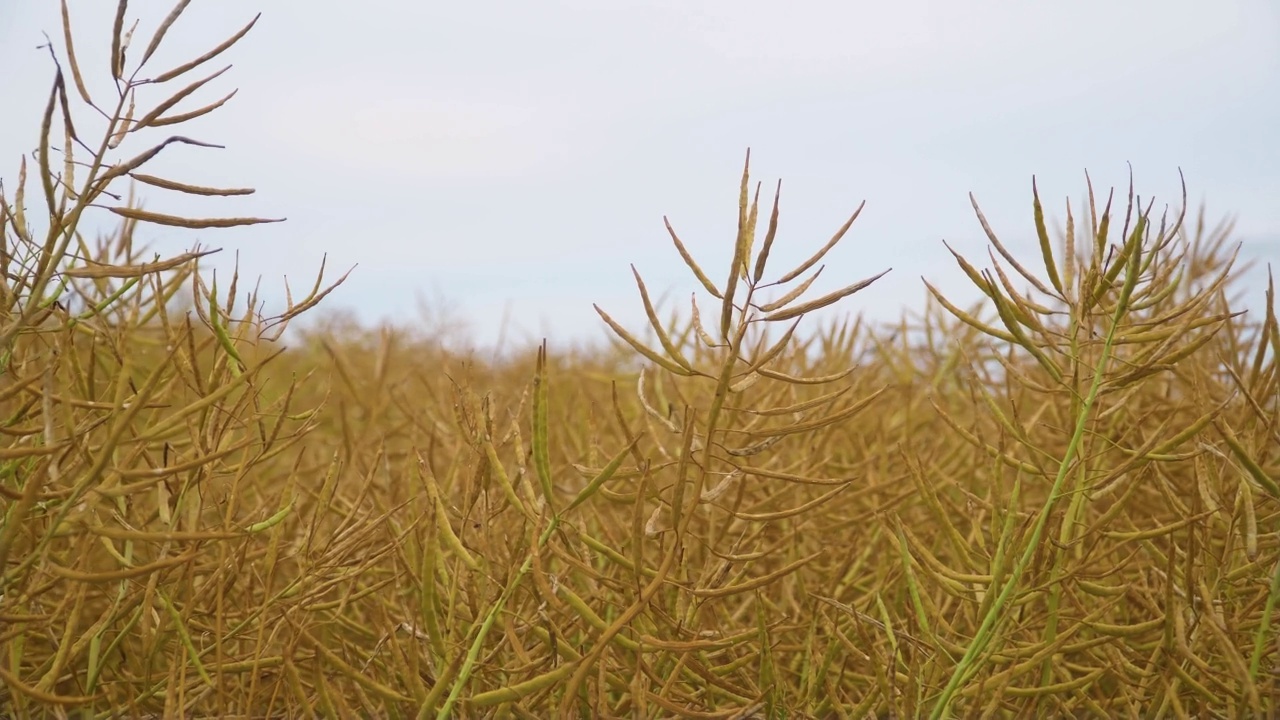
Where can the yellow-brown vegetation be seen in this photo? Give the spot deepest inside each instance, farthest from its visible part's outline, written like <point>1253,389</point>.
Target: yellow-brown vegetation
<point>1060,502</point>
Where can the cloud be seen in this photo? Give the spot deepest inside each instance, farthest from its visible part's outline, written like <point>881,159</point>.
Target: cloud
<point>403,131</point>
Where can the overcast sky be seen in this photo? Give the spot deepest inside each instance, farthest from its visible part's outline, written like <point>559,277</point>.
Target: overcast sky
<point>517,157</point>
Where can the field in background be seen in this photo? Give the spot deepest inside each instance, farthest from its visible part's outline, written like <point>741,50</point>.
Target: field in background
<point>1062,502</point>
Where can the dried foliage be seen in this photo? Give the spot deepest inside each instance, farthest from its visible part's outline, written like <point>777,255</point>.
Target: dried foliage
<point>1060,502</point>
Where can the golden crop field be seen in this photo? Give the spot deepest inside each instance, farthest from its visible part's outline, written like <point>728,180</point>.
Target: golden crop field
<point>1060,502</point>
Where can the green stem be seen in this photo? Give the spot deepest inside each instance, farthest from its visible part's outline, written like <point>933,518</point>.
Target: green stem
<point>983,636</point>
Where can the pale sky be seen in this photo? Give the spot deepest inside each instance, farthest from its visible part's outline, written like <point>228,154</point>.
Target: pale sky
<point>517,157</point>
